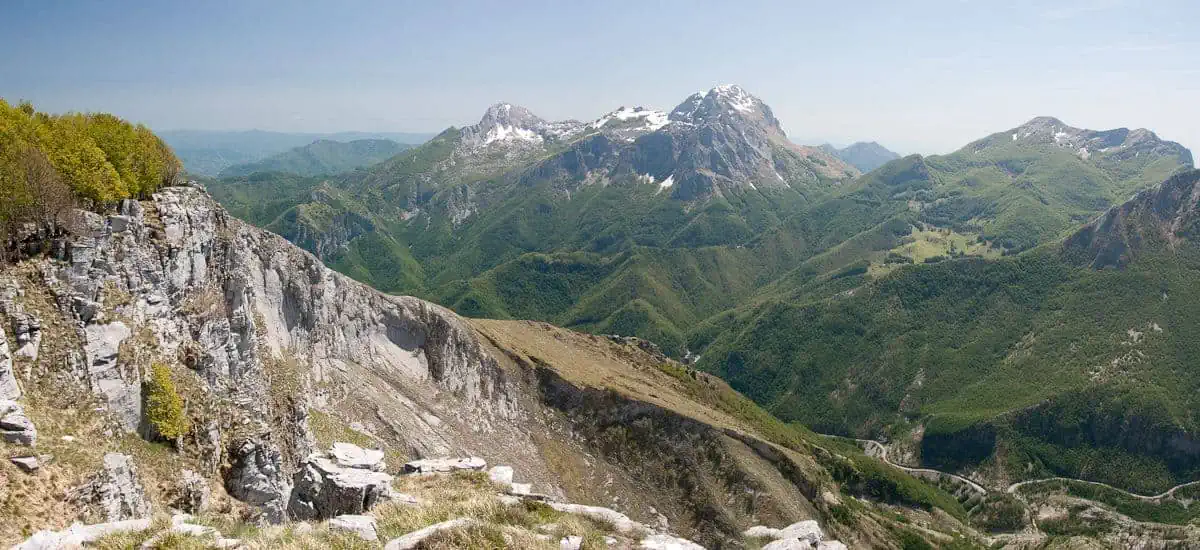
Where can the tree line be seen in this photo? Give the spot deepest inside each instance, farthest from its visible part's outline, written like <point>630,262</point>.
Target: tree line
<point>51,164</point>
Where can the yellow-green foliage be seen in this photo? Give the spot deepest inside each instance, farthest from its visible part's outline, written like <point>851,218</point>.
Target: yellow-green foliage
<point>100,157</point>
<point>164,406</point>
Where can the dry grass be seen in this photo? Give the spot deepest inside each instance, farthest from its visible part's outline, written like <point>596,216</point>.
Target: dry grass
<point>594,361</point>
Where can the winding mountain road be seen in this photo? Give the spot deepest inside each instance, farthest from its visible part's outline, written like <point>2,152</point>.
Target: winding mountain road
<point>1011,489</point>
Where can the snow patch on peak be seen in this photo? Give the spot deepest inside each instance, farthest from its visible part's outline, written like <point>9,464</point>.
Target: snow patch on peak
<point>738,98</point>
<point>501,132</point>
<point>651,119</point>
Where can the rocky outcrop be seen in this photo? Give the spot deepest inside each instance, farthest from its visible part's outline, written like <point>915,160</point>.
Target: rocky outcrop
<point>414,539</point>
<point>619,521</point>
<point>801,535</point>
<point>444,465</point>
<point>325,488</point>
<point>15,426</point>
<point>10,389</point>
<point>256,478</point>
<point>115,492</point>
<point>191,493</point>
<point>1160,217</point>
<point>78,535</point>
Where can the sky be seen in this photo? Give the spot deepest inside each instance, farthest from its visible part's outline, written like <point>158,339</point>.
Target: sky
<point>918,76</point>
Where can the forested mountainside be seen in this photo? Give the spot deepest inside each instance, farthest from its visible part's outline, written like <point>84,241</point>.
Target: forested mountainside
<point>205,153</point>
<point>865,156</point>
<point>322,157</point>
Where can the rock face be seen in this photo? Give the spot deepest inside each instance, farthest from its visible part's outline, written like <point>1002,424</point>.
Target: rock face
<point>1157,217</point>
<point>116,491</point>
<point>256,478</point>
<point>182,281</point>
<point>15,427</point>
<point>191,493</point>
<point>324,488</point>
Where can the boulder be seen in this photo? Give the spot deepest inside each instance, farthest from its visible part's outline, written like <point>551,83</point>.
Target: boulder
<point>444,465</point>
<point>808,530</point>
<point>348,455</point>
<point>415,538</point>
<point>324,489</point>
<point>256,478</point>
<point>116,491</point>
<point>27,464</point>
<point>831,545</point>
<point>191,493</point>
<point>15,426</point>
<point>363,526</point>
<point>573,542</point>
<point>660,541</point>
<point>77,535</point>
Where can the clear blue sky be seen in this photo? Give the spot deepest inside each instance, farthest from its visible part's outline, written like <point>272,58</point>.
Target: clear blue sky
<point>918,76</point>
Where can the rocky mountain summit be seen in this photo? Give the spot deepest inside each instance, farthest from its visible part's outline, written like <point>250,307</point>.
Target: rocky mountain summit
<point>296,388</point>
<point>1116,144</point>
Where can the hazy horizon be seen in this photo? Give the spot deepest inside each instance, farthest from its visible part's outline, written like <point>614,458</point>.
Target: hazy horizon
<point>923,77</point>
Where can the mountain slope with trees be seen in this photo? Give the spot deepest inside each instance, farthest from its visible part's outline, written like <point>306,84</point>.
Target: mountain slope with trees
<point>322,157</point>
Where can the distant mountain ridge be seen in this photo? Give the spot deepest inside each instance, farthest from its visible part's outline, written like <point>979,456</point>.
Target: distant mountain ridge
<point>322,157</point>
<point>865,156</point>
<point>207,152</point>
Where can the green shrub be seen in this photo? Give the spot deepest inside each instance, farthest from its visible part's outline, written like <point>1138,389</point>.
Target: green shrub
<point>164,406</point>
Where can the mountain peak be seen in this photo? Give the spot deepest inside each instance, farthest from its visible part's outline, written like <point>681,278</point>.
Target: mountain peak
<point>1046,130</point>
<point>506,123</point>
<point>726,101</point>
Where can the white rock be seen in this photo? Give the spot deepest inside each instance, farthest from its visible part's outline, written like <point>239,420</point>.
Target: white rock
<point>521,488</point>
<point>79,535</point>
<point>573,542</point>
<point>502,475</point>
<point>363,526</point>
<point>762,532</point>
<point>15,426</point>
<point>808,530</point>
<point>9,388</point>
<point>619,521</point>
<point>831,545</point>
<point>349,455</point>
<point>788,544</point>
<point>444,465</point>
<point>414,539</point>
<point>661,541</point>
